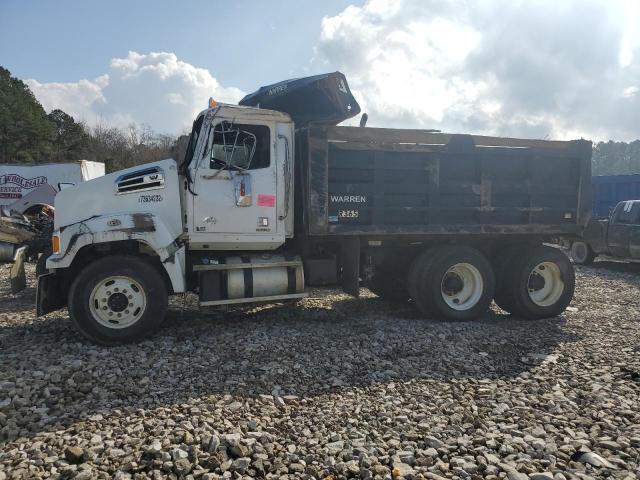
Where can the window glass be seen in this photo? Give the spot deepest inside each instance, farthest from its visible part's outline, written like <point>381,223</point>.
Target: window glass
<point>193,139</point>
<point>627,212</point>
<point>238,146</point>
<point>635,213</point>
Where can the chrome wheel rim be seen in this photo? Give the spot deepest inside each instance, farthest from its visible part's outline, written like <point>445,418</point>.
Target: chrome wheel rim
<point>545,284</point>
<point>117,302</point>
<point>462,286</point>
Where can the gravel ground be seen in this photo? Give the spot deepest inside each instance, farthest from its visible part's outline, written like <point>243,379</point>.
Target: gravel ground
<point>333,387</point>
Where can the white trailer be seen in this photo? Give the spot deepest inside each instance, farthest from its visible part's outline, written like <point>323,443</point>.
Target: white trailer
<point>17,181</point>
<point>27,194</point>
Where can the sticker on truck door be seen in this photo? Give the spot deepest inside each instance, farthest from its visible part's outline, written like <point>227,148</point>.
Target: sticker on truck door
<point>265,200</point>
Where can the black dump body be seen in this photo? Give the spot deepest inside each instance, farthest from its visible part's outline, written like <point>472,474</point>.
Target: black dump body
<point>373,181</point>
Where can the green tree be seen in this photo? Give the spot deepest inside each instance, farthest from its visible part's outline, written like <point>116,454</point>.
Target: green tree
<point>71,141</point>
<point>26,134</point>
<point>616,158</point>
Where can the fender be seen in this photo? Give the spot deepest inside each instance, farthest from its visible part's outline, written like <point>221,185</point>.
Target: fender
<point>147,228</point>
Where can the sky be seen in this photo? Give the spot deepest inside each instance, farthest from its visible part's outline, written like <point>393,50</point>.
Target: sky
<point>557,69</point>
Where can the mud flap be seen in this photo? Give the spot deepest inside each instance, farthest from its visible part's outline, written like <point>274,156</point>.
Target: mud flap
<point>18,277</point>
<point>350,262</point>
<point>50,295</point>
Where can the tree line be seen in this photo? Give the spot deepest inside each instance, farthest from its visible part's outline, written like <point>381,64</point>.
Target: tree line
<point>30,135</point>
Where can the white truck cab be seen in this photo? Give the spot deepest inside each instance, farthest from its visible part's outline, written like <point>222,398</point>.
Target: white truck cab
<point>233,192</point>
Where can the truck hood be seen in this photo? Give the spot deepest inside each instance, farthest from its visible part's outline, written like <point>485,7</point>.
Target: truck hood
<point>151,188</point>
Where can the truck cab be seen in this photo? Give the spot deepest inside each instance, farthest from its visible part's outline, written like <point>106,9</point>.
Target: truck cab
<point>616,236</point>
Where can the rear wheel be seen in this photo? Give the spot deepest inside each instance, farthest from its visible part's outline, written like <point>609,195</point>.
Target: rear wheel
<point>582,253</point>
<point>118,299</point>
<point>456,283</point>
<point>542,283</point>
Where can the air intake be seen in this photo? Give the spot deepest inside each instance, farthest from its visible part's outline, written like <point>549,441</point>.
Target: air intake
<point>140,181</point>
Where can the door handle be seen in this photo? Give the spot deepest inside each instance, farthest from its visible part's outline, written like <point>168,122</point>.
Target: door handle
<point>219,175</point>
<point>287,176</point>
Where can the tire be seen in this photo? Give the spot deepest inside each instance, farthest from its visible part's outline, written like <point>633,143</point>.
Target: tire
<point>389,287</point>
<point>542,282</point>
<point>582,253</point>
<point>420,263</point>
<point>98,300</point>
<point>41,264</point>
<point>502,267</point>
<point>456,283</point>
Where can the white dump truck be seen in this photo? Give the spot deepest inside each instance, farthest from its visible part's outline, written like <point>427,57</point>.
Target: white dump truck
<point>272,197</point>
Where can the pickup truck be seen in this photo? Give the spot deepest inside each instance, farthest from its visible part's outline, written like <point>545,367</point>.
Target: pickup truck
<point>272,196</point>
<point>616,236</point>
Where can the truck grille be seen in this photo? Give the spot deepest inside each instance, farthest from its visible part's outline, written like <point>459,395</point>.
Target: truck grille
<point>140,181</point>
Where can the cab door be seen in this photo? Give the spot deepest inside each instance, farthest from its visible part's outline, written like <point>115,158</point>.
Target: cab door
<point>620,228</point>
<point>634,232</point>
<point>236,185</point>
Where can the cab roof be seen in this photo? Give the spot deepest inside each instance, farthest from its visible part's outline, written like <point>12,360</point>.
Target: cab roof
<point>240,112</point>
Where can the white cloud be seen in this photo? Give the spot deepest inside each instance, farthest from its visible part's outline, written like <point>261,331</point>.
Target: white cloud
<point>542,69</point>
<point>155,89</point>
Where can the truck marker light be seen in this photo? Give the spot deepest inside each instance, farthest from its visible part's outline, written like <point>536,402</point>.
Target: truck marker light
<point>55,243</point>
<point>212,102</point>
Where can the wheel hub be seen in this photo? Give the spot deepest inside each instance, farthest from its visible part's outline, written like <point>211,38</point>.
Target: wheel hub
<point>462,286</point>
<point>453,283</point>
<point>536,282</point>
<point>117,302</point>
<point>545,284</point>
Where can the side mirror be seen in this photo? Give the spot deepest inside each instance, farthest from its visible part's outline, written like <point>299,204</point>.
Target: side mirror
<point>242,187</point>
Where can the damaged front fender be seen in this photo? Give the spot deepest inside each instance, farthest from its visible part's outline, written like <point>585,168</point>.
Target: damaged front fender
<point>147,228</point>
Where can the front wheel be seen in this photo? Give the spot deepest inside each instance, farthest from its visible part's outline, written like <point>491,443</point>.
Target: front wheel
<point>118,299</point>
<point>582,253</point>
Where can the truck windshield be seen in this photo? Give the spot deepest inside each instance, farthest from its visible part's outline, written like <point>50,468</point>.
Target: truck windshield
<point>232,147</point>
<point>238,146</point>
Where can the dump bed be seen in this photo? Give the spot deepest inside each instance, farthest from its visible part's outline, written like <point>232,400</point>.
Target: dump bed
<point>374,181</point>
